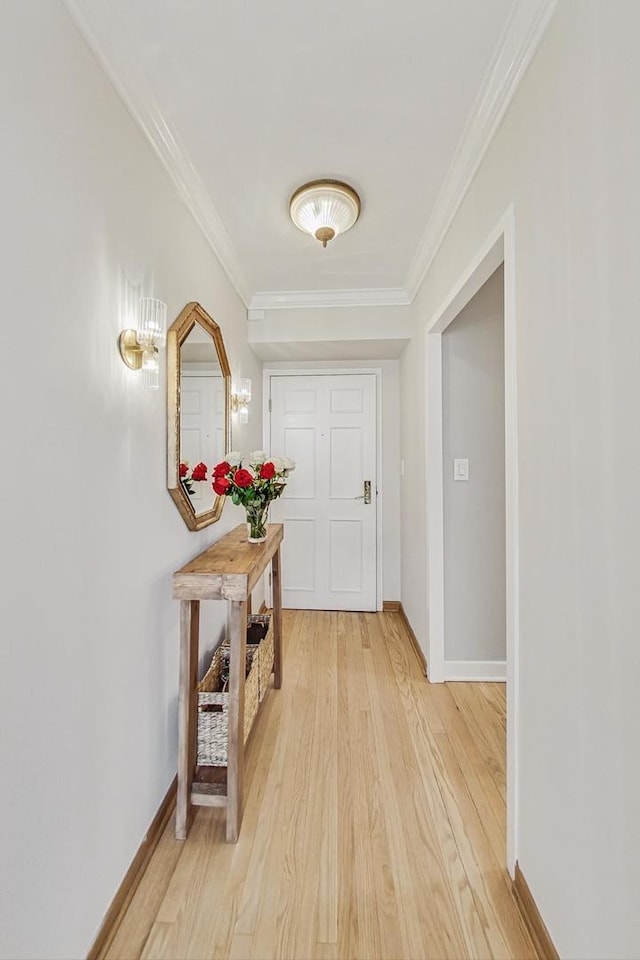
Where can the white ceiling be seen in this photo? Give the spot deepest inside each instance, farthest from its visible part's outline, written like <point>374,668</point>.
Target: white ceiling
<point>246,100</point>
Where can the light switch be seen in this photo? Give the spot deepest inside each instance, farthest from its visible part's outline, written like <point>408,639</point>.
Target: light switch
<point>460,469</point>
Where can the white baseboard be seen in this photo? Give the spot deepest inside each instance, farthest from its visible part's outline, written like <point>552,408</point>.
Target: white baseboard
<point>475,670</point>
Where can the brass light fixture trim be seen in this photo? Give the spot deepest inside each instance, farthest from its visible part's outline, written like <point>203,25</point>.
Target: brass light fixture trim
<point>324,208</point>
<point>131,350</point>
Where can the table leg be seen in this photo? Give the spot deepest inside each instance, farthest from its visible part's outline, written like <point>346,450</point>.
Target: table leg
<point>187,712</point>
<point>235,761</point>
<point>277,620</point>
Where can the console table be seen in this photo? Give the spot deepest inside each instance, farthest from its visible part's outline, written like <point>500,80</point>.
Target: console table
<point>227,570</point>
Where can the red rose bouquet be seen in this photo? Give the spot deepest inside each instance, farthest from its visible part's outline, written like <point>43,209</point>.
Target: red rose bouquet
<point>199,473</point>
<point>254,486</point>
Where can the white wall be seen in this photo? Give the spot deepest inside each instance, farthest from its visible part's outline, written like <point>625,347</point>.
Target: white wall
<point>474,510</point>
<point>89,535</point>
<point>390,489</point>
<point>413,513</point>
<point>308,324</point>
<point>567,155</point>
<point>330,333</point>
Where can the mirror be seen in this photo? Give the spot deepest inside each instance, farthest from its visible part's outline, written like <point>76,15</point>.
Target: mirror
<point>199,413</point>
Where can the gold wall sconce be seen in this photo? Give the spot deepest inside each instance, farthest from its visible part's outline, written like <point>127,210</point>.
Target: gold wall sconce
<point>240,401</point>
<point>139,348</point>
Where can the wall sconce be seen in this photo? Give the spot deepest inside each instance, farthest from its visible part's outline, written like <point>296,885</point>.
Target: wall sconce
<point>240,401</point>
<point>139,348</point>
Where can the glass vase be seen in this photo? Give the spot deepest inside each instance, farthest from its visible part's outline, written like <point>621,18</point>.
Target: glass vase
<point>257,521</point>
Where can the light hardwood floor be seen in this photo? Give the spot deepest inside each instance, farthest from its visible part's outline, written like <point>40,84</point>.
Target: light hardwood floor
<point>374,822</point>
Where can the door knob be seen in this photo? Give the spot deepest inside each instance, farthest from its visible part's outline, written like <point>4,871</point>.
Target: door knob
<point>366,496</point>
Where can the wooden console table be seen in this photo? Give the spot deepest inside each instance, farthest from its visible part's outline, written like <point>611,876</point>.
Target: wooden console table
<point>227,570</point>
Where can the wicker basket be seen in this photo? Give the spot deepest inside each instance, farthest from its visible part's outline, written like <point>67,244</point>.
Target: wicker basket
<point>265,659</point>
<point>260,630</point>
<point>213,700</point>
<point>213,710</point>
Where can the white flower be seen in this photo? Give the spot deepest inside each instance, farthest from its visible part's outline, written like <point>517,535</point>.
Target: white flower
<point>257,458</point>
<point>288,464</point>
<point>278,463</point>
<point>234,459</point>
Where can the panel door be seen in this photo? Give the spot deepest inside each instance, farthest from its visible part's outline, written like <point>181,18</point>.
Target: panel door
<point>327,424</point>
<point>202,430</point>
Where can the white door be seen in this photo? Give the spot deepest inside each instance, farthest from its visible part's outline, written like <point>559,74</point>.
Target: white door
<point>202,430</point>
<point>327,424</point>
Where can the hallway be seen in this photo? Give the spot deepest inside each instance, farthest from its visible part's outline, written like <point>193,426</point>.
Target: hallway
<point>374,820</point>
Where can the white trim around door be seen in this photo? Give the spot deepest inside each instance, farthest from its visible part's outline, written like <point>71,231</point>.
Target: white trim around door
<point>498,248</point>
<point>487,670</point>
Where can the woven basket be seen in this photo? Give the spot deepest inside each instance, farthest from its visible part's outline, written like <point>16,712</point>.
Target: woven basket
<point>213,710</point>
<point>260,629</point>
<point>265,660</point>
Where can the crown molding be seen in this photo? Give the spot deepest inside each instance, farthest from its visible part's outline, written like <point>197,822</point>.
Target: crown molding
<point>295,299</point>
<point>521,38</point>
<point>107,38</point>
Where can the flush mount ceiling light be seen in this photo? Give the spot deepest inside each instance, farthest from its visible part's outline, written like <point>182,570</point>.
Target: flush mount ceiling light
<point>324,208</point>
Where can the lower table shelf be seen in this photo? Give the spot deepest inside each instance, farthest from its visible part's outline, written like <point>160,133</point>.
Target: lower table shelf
<point>209,787</point>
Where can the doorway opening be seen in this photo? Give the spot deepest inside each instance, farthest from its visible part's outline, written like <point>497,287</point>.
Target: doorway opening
<point>473,488</point>
<point>498,250</point>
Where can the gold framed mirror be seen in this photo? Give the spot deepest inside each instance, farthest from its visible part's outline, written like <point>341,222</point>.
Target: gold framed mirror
<point>198,413</point>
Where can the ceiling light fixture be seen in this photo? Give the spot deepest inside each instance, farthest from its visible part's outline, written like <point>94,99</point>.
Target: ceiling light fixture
<point>324,208</point>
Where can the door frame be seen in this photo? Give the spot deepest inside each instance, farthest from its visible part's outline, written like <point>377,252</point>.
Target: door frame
<point>296,371</point>
<point>499,247</point>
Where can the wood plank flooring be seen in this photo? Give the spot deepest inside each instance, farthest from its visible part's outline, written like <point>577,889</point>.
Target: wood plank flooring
<point>374,824</point>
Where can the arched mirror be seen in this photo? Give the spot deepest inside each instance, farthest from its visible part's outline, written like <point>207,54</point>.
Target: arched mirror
<point>199,413</point>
